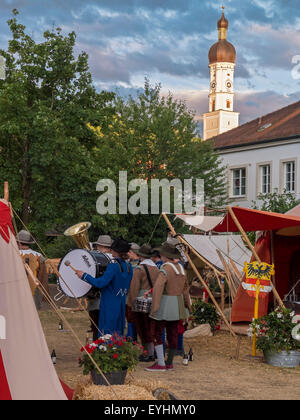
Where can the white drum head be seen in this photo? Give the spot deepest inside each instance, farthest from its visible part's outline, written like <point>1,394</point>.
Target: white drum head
<point>81,260</point>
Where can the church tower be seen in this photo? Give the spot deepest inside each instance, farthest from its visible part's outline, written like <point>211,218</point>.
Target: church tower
<point>222,59</point>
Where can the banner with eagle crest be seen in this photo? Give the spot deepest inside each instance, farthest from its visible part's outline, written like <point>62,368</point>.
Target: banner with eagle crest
<point>258,278</point>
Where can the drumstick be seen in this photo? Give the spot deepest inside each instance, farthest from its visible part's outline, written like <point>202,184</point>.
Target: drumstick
<point>68,264</point>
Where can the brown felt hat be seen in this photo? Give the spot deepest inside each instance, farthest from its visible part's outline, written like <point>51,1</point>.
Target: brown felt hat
<point>134,247</point>
<point>145,251</point>
<point>168,250</point>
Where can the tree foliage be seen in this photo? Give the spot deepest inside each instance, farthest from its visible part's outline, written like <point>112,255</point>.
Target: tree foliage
<point>59,137</point>
<point>155,137</point>
<point>46,101</point>
<point>276,202</point>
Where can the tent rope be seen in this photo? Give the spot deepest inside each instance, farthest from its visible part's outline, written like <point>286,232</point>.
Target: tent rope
<point>60,276</point>
<point>230,294</point>
<point>65,321</point>
<point>293,288</point>
<point>154,230</point>
<point>61,316</point>
<point>198,274</point>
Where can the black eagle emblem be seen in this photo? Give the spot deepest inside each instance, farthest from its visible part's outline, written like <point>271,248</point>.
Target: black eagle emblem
<point>259,272</point>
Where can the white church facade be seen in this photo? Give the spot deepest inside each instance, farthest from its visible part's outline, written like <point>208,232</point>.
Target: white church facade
<point>261,156</point>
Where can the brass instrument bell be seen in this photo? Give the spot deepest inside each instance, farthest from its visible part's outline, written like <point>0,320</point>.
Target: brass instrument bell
<point>79,233</point>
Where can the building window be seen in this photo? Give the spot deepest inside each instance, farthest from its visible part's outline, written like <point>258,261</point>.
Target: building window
<point>228,104</point>
<point>213,106</point>
<point>289,173</point>
<point>239,182</point>
<point>265,179</point>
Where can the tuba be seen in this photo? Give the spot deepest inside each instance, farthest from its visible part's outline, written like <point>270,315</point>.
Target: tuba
<point>79,233</point>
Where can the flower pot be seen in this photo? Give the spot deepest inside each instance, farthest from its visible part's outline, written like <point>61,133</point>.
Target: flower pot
<point>114,378</point>
<point>283,359</point>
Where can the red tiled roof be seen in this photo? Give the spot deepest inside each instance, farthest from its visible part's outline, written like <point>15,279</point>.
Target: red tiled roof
<point>280,124</point>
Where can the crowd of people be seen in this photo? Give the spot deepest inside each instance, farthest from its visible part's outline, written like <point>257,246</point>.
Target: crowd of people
<point>141,273</point>
<point>155,275</point>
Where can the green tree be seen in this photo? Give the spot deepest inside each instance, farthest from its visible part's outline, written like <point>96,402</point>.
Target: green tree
<point>46,101</point>
<point>276,202</point>
<point>155,137</point>
<point>59,137</point>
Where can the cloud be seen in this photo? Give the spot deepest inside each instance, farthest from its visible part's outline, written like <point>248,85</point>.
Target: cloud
<point>273,49</point>
<point>251,105</point>
<point>170,39</point>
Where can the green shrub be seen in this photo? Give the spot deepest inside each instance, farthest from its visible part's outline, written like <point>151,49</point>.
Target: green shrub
<point>205,313</point>
<point>274,331</point>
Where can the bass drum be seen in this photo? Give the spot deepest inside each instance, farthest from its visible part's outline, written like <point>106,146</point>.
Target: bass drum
<point>90,262</point>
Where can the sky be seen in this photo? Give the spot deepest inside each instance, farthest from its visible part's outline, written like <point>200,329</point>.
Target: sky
<point>167,41</point>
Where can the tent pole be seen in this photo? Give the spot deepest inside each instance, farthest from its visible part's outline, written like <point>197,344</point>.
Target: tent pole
<point>230,282</point>
<point>200,256</point>
<point>65,321</point>
<point>6,198</point>
<point>6,191</point>
<point>199,275</point>
<point>243,233</point>
<point>221,285</point>
<point>273,260</point>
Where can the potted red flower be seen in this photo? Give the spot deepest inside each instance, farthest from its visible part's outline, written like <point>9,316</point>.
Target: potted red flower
<point>114,355</point>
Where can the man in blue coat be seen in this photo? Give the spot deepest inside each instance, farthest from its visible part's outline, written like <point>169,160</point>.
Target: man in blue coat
<point>114,285</point>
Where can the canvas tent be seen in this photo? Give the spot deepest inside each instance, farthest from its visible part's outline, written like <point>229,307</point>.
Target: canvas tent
<point>230,246</point>
<point>280,244</point>
<point>26,369</point>
<point>295,211</point>
<point>203,223</point>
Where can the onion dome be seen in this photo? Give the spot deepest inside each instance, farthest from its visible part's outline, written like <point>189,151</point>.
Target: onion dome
<point>223,22</point>
<point>222,51</point>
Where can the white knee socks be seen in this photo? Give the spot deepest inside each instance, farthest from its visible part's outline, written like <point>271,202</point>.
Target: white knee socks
<point>160,354</point>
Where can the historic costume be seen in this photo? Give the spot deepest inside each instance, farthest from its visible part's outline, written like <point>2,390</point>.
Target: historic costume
<point>114,285</point>
<point>103,245</point>
<point>170,304</point>
<point>144,278</point>
<point>134,261</point>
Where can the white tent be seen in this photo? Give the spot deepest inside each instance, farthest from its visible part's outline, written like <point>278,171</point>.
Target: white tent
<point>294,212</point>
<point>203,223</point>
<point>26,369</point>
<point>230,246</point>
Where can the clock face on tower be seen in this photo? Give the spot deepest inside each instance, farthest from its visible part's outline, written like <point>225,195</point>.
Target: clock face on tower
<point>228,84</point>
<point>213,85</point>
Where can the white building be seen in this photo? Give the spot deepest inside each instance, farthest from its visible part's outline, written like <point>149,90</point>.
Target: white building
<point>262,156</point>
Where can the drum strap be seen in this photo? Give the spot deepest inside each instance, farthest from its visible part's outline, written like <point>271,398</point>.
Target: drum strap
<point>148,276</point>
